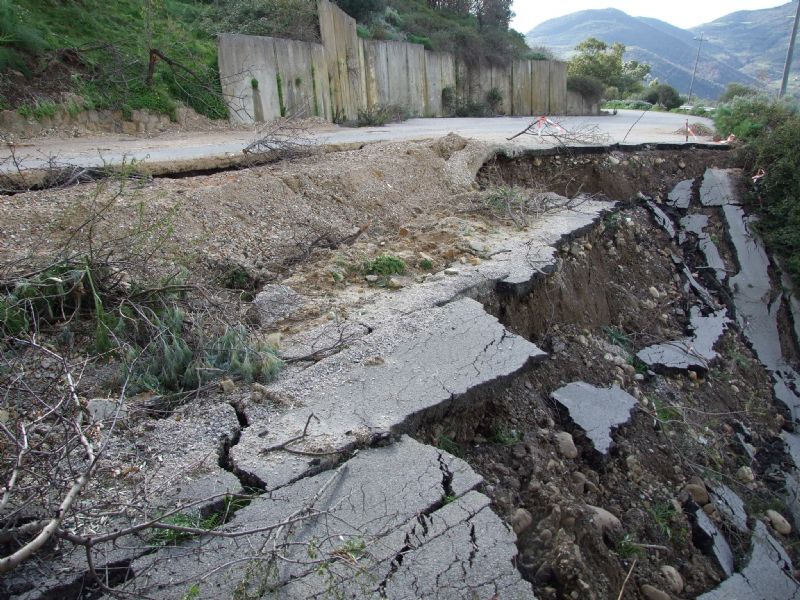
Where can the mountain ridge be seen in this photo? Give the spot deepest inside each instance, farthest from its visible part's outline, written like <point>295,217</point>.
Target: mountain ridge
<point>743,47</point>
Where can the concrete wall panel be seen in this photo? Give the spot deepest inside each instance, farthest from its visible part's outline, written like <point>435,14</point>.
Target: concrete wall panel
<point>243,59</point>
<point>521,80</point>
<point>558,88</point>
<point>415,66</point>
<point>344,74</point>
<point>540,87</point>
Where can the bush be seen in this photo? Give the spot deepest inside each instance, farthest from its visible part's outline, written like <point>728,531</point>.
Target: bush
<point>362,10</point>
<point>737,89</point>
<point>381,115</point>
<point>751,117</point>
<point>777,150</point>
<point>386,264</point>
<point>628,105</point>
<point>589,87</point>
<point>664,95</point>
<point>494,100</point>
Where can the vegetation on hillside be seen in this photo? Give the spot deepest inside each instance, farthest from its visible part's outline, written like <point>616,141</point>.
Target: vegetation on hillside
<point>596,59</point>
<point>153,54</point>
<point>770,129</point>
<point>127,54</point>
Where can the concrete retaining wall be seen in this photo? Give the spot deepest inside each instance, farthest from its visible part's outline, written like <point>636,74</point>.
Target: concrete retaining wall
<point>578,105</point>
<point>264,78</point>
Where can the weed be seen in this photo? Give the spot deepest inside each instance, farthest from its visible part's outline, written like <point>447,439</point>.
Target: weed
<point>627,548</point>
<point>449,445</point>
<point>39,110</point>
<point>619,338</point>
<point>505,437</point>
<point>663,515</point>
<point>170,537</point>
<point>192,593</point>
<point>449,499</point>
<point>426,264</point>
<point>665,413</point>
<point>612,222</point>
<point>494,99</point>
<point>386,264</point>
<point>381,115</point>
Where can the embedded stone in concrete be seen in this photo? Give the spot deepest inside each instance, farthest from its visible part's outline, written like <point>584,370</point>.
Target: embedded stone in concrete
<point>710,540</point>
<point>596,410</point>
<point>398,521</point>
<point>694,352</point>
<point>430,360</point>
<point>681,194</point>
<point>768,573</point>
<point>731,506</point>
<point>662,219</point>
<point>719,187</point>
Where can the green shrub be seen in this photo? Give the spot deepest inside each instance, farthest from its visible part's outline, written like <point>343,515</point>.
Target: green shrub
<point>589,87</point>
<point>494,100</point>
<point>381,115</point>
<point>41,109</point>
<point>386,264</point>
<point>737,89</point>
<point>750,117</point>
<point>664,95</point>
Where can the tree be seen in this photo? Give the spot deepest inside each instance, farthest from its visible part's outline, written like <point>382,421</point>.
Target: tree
<point>361,10</point>
<point>737,89</point>
<point>595,58</point>
<point>665,95</point>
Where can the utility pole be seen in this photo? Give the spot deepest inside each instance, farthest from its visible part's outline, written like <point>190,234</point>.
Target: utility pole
<point>789,55</point>
<point>696,61</point>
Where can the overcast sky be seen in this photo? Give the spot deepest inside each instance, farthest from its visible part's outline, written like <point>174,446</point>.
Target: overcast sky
<point>683,13</point>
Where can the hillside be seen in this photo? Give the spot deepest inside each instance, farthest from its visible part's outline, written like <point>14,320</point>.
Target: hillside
<point>154,54</point>
<point>755,38</point>
<point>740,45</point>
<point>100,52</point>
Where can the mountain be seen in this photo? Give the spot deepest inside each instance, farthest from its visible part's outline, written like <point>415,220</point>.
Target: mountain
<point>758,39</point>
<point>744,47</point>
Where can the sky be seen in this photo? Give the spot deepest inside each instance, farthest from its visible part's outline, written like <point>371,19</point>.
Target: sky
<point>683,13</point>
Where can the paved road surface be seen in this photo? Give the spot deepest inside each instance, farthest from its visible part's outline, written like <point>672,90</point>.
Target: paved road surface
<point>112,148</point>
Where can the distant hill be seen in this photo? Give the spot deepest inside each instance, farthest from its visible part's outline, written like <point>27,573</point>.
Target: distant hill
<point>746,47</point>
<point>758,39</point>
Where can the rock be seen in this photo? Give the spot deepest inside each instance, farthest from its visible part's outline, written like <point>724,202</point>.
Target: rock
<point>227,386</point>
<point>779,522</point>
<point>745,474</point>
<point>604,520</point>
<point>582,340</point>
<point>276,302</point>
<point>698,493</point>
<point>103,409</point>
<point>371,278</point>
<point>521,520</point>
<point>566,445</point>
<point>673,578</point>
<point>653,593</point>
<point>654,292</point>
<point>477,247</point>
<point>451,271</point>
<point>394,283</point>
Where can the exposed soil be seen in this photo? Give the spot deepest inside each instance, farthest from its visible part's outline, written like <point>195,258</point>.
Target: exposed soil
<point>312,223</point>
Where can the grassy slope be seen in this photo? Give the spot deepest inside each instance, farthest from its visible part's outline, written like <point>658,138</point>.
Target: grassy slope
<point>113,48</point>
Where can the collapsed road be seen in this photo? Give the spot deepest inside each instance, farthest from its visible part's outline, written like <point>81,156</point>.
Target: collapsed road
<point>586,389</point>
